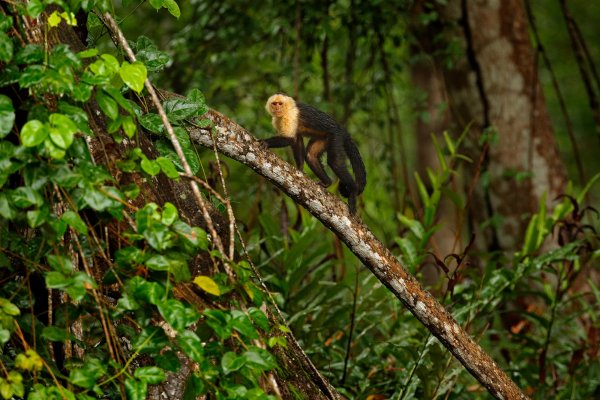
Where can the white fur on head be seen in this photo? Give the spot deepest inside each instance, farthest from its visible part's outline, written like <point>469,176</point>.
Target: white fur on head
<point>287,124</point>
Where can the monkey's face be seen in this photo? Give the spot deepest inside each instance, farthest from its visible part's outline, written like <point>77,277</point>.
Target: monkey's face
<point>276,107</point>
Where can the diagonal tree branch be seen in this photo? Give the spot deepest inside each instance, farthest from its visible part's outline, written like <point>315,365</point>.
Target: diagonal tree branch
<point>235,142</point>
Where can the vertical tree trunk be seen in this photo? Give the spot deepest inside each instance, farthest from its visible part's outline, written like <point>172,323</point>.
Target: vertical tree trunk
<point>494,86</point>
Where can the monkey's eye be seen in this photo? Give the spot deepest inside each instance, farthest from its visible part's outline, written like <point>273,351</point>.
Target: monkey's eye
<point>277,103</point>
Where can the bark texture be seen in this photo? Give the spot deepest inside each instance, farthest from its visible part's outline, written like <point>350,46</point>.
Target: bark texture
<point>494,86</point>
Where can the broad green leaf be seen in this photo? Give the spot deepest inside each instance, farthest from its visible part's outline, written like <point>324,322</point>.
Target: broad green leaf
<point>31,75</point>
<point>260,358</point>
<point>180,109</point>
<point>195,236</point>
<point>35,8</point>
<point>134,75</point>
<point>168,360</point>
<point>232,362</point>
<point>170,213</point>
<point>220,322</point>
<point>9,308</point>
<point>75,222</point>
<point>60,263</point>
<point>6,22</point>
<point>62,130</point>
<point>259,318</point>
<point>37,217</point>
<point>128,126</point>
<point>4,336</point>
<point>197,97</point>
<point>25,196</point>
<point>177,314</point>
<point>55,334</point>
<point>167,167</point>
<point>241,323</point>
<point>7,115</point>
<point>173,8</point>
<point>136,390</point>
<point>6,211</point>
<point>87,375</point>
<point>207,284</point>
<point>6,47</point>
<point>34,133</point>
<point>152,122</point>
<point>151,167</point>
<point>151,340</point>
<point>107,104</point>
<point>191,345</point>
<point>151,375</point>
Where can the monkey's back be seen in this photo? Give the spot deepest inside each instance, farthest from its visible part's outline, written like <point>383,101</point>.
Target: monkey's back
<point>315,120</point>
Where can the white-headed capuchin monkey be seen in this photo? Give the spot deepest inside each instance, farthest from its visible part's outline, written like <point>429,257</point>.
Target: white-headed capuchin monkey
<point>294,120</point>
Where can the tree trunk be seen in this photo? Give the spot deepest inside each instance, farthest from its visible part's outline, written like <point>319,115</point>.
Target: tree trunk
<point>494,86</point>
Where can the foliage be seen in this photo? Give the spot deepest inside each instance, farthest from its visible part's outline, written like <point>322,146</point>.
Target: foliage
<point>55,201</point>
<point>108,264</point>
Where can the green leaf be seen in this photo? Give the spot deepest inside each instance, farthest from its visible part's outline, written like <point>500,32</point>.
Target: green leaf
<point>220,322</point>
<point>37,217</point>
<point>180,109</point>
<point>191,345</point>
<point>33,133</point>
<point>7,115</point>
<point>177,314</point>
<point>195,236</point>
<point>167,167</point>
<point>9,308</point>
<point>62,130</point>
<point>241,323</point>
<point>6,22</point>
<point>55,334</point>
<point>260,358</point>
<point>151,375</point>
<point>31,53</point>
<point>151,340</point>
<point>134,75</point>
<point>231,362</point>
<point>259,318</point>
<point>87,375</point>
<point>207,284</point>
<point>152,122</point>
<point>150,167</point>
<point>88,53</point>
<point>168,360</point>
<point>106,67</point>
<point>4,336</point>
<point>60,263</point>
<point>170,214</point>
<point>75,222</point>
<point>25,196</point>
<point>31,75</point>
<point>173,8</point>
<point>6,211</point>
<point>148,53</point>
<point>35,8</point>
<point>198,98</point>
<point>6,47</point>
<point>136,390</point>
<point>108,105</point>
<point>129,126</point>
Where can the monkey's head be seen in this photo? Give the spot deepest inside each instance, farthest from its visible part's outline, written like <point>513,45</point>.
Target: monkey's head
<point>278,104</point>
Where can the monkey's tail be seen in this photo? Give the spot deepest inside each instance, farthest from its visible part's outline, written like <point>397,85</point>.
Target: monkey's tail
<point>358,167</point>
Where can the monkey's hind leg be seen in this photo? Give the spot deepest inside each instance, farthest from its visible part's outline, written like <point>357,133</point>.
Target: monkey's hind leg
<point>314,150</point>
<point>336,158</point>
